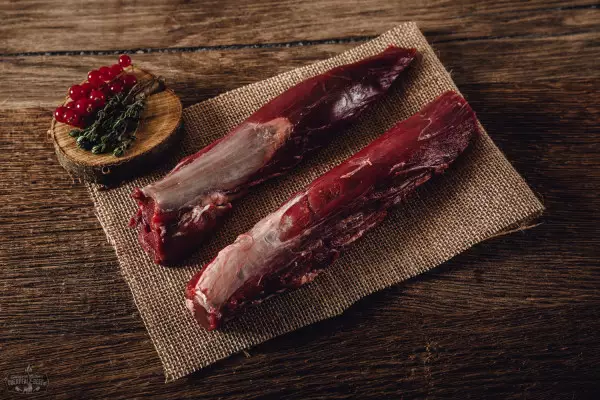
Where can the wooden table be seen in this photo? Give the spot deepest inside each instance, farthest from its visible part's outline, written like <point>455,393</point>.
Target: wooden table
<point>515,317</point>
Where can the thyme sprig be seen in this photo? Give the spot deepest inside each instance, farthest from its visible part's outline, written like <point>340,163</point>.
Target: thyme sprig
<point>113,130</point>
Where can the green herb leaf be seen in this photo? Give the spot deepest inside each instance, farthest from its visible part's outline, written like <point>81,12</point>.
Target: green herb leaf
<point>114,128</point>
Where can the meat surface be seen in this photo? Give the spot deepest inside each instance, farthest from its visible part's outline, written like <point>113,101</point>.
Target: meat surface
<point>178,211</point>
<point>289,247</point>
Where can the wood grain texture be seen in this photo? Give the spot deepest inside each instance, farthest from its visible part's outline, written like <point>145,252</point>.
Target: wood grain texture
<point>197,76</point>
<point>33,26</point>
<point>515,317</point>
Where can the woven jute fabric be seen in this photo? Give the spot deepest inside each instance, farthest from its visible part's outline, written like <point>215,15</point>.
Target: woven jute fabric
<point>479,197</point>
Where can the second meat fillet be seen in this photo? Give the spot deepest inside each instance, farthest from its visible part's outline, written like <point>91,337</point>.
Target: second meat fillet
<point>289,247</point>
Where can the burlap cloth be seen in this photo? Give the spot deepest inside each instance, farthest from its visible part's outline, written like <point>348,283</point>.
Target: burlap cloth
<point>481,196</point>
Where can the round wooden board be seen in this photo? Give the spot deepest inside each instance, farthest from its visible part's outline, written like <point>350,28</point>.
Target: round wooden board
<point>158,130</point>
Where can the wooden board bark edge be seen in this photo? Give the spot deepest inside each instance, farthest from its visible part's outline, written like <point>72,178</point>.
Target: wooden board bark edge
<point>159,128</point>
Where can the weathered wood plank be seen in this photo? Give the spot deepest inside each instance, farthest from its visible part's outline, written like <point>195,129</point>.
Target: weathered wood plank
<point>509,317</point>
<point>201,75</point>
<point>53,25</point>
<point>515,317</point>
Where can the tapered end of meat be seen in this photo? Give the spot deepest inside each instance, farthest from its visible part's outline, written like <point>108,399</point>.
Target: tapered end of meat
<point>389,64</point>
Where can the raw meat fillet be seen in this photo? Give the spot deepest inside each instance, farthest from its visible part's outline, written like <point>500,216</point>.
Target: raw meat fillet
<point>289,247</point>
<point>178,211</point>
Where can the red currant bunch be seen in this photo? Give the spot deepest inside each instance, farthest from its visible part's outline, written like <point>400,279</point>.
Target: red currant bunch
<point>89,97</point>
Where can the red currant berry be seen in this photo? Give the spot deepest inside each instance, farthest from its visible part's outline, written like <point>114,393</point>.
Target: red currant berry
<point>106,74</point>
<point>86,88</point>
<point>98,98</point>
<point>75,92</point>
<point>70,104</point>
<point>116,69</point>
<point>59,113</point>
<point>84,107</point>
<point>129,81</point>
<point>124,60</point>
<point>72,118</point>
<point>94,78</point>
<point>106,90</point>
<point>116,87</point>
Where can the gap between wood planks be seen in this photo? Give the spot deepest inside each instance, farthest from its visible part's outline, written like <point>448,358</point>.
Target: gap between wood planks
<point>294,43</point>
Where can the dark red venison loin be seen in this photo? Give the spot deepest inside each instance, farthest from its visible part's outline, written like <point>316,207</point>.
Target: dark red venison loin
<point>289,247</point>
<point>177,212</point>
